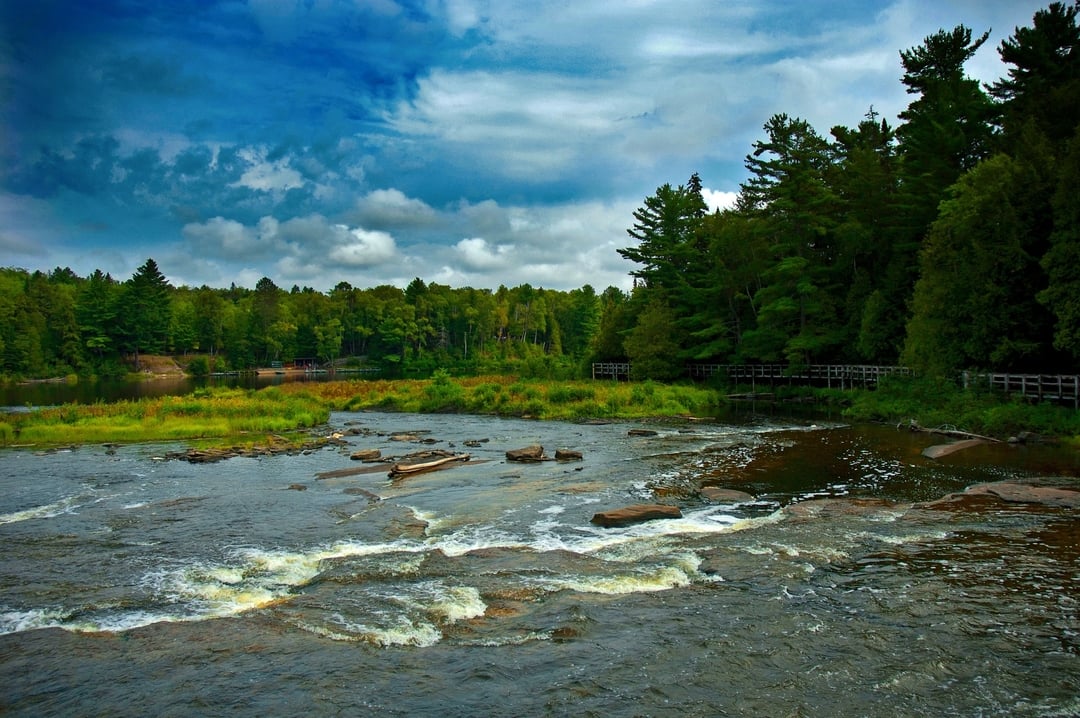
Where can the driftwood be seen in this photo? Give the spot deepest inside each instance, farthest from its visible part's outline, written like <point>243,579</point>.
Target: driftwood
<point>402,469</point>
<point>954,433</point>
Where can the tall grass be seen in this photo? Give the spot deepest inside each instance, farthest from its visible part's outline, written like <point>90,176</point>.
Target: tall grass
<point>513,396</point>
<point>218,413</point>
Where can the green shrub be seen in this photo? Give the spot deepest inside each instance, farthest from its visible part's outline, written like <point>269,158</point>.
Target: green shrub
<point>570,393</point>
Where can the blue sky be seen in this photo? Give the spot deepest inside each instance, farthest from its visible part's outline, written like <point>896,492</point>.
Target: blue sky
<point>465,142</point>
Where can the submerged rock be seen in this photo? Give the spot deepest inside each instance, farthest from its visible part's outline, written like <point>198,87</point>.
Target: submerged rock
<point>638,513</point>
<point>939,450</point>
<point>715,493</point>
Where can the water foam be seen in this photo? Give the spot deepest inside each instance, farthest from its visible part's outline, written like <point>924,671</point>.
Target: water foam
<point>47,511</point>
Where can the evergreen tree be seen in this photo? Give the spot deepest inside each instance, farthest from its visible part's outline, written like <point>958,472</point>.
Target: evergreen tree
<point>787,190</point>
<point>1043,84</point>
<point>147,311</point>
<point>664,228</point>
<point>946,130</point>
<point>96,313</point>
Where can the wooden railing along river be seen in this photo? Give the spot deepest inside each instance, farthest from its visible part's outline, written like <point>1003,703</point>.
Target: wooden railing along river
<point>1061,388</point>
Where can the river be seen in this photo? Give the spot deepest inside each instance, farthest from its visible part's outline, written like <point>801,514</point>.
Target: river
<point>133,585</point>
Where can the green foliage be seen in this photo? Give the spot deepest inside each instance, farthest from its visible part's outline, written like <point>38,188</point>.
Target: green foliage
<point>199,366</point>
<point>933,402</point>
<point>652,345</point>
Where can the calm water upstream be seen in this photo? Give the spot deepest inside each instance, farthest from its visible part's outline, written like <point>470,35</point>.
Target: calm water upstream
<point>136,586</point>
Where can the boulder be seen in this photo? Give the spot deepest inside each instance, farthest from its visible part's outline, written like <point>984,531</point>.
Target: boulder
<point>528,453</point>
<point>297,487</point>
<point>366,455</point>
<point>642,432</point>
<point>638,513</point>
<point>568,455</point>
<point>715,493</point>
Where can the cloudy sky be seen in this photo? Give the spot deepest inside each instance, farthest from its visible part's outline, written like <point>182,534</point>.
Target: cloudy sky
<point>465,142</point>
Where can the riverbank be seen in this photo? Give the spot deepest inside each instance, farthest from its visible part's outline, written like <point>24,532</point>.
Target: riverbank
<point>248,417</point>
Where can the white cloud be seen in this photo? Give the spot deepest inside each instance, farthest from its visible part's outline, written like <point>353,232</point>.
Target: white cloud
<point>391,208</point>
<point>717,200</point>
<point>364,248</point>
<point>276,176</point>
<point>225,238</point>
<point>477,254</point>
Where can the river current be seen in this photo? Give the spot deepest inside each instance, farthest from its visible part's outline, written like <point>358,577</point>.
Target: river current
<point>134,585</point>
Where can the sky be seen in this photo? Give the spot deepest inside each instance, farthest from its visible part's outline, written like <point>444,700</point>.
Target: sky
<point>471,143</point>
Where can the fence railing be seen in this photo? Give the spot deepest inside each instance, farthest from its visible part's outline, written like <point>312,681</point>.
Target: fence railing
<point>839,375</point>
<point>1064,388</point>
<point>1044,387</point>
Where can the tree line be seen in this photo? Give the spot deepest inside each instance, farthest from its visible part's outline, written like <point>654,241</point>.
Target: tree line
<point>59,323</point>
<point>948,242</point>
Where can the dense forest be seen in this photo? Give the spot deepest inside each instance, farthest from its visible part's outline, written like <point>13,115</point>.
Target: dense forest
<point>948,242</point>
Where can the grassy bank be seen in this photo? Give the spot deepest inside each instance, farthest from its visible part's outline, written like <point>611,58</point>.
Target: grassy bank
<point>222,417</point>
<point>235,415</point>
<point>231,416</point>
<point>510,396</point>
<point>934,403</point>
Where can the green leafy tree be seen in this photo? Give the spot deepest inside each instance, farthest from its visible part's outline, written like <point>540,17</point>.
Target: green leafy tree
<point>1062,261</point>
<point>329,335</point>
<point>615,321</point>
<point>972,307</point>
<point>652,345</point>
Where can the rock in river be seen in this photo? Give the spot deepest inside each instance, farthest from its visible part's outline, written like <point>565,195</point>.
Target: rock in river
<point>638,513</point>
<point>715,493</point>
<point>529,453</point>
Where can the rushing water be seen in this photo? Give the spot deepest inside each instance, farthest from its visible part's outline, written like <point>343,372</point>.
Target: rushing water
<point>134,586</point>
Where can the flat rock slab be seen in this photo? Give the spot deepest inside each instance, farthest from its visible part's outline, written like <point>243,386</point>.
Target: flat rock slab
<point>1015,493</point>
<point>638,513</point>
<point>1024,494</point>
<point>939,450</point>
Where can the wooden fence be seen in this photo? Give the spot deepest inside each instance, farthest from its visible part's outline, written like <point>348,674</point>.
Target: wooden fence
<point>839,375</point>
<point>1043,387</point>
<point>1062,388</point>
